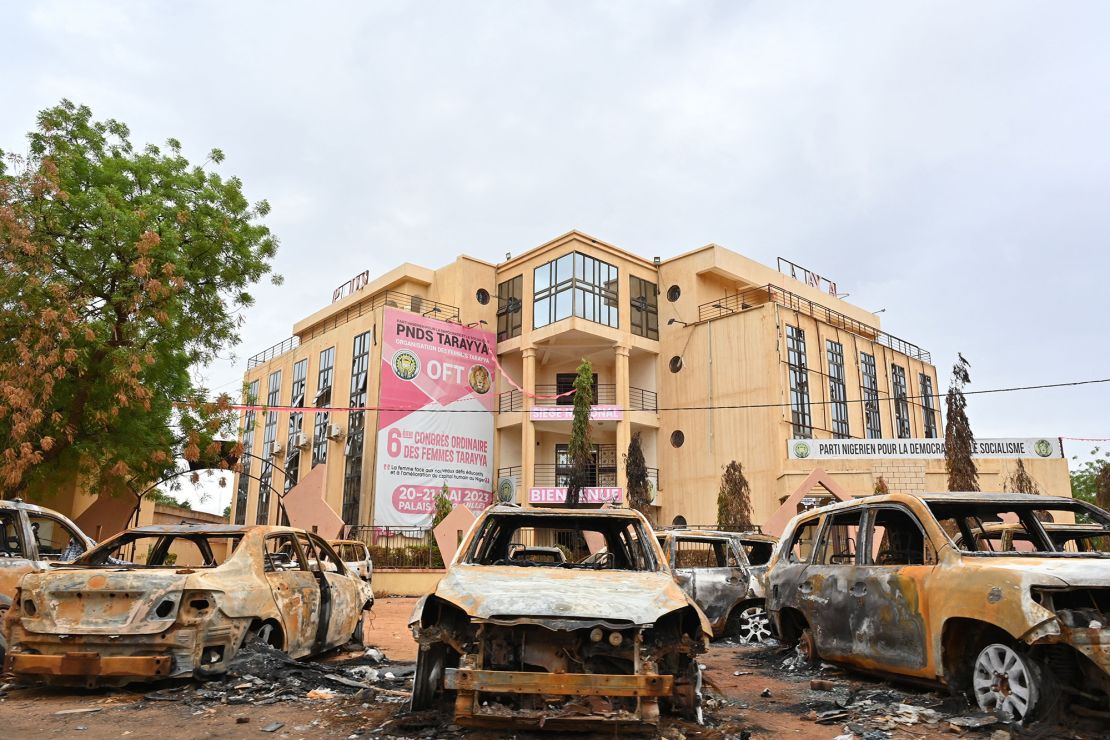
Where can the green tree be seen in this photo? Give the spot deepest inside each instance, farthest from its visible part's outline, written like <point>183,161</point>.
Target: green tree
<point>1019,481</point>
<point>443,505</point>
<point>1091,480</point>
<point>635,468</point>
<point>580,449</point>
<point>122,270</point>
<point>161,497</point>
<point>734,500</point>
<point>959,442</point>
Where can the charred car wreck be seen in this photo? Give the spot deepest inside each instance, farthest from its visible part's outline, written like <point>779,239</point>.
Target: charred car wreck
<point>165,601</point>
<point>1003,596</point>
<point>554,643</point>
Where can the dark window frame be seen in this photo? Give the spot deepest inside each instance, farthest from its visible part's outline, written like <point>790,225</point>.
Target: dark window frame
<point>269,438</point>
<point>324,378</point>
<point>925,383</point>
<point>576,285</point>
<point>510,294</point>
<point>296,423</point>
<point>901,401</point>
<point>801,416</point>
<point>644,303</point>
<point>869,390</point>
<point>356,427</point>
<point>838,390</point>
<point>243,488</point>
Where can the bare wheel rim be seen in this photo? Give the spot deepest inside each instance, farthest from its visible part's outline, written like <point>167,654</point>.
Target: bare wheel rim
<point>1003,682</point>
<point>265,632</point>
<point>754,625</point>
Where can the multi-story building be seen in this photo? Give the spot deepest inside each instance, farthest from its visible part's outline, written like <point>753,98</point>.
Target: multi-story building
<point>708,356</point>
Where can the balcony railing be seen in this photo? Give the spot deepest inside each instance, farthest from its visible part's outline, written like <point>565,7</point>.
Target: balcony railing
<point>271,352</point>
<point>737,302</point>
<point>551,473</point>
<point>639,399</point>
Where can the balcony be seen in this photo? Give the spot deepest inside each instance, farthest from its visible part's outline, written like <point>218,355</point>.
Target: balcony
<point>555,475</point>
<point>271,352</point>
<point>639,399</point>
<point>773,294</point>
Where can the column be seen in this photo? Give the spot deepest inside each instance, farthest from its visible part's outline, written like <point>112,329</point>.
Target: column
<point>624,426</point>
<point>527,431</point>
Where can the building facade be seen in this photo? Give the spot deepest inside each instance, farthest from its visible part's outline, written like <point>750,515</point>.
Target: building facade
<point>708,356</point>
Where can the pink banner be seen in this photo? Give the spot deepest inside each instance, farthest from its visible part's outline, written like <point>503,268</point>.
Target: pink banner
<point>430,367</point>
<point>585,496</point>
<point>566,413</point>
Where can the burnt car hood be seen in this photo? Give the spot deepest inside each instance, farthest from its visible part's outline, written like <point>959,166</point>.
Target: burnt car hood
<point>506,591</point>
<point>101,601</point>
<point>1077,572</point>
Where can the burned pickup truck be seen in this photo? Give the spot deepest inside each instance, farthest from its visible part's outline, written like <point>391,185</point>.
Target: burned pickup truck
<point>559,643</point>
<point>1003,596</point>
<point>163,601</point>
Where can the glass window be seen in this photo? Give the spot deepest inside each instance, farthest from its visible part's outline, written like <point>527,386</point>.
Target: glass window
<point>356,429</point>
<point>897,539</point>
<point>248,454</point>
<point>575,285</point>
<point>929,404</point>
<point>838,545</point>
<point>645,307</point>
<point>799,382</point>
<point>838,392</point>
<point>323,400</point>
<point>296,423</point>
<point>55,540</point>
<point>269,437</point>
<point>869,387</point>
<point>509,296</point>
<point>801,545</point>
<point>901,404</point>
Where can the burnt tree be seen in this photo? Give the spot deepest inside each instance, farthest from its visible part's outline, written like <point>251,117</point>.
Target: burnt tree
<point>1020,481</point>
<point>959,442</point>
<point>734,505</point>
<point>639,495</point>
<point>580,448</point>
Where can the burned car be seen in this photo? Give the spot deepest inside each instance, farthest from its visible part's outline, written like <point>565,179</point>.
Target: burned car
<point>31,538</point>
<point>162,601</point>
<point>986,593</point>
<point>356,556</point>
<point>559,643</point>
<point>724,573</point>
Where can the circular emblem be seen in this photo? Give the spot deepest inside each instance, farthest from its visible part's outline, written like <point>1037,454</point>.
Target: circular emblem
<point>406,365</point>
<point>1043,447</point>
<point>506,491</point>
<point>479,378</point>
<point>801,449</point>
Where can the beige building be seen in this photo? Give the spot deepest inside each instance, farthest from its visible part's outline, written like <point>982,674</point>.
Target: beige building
<point>709,356</point>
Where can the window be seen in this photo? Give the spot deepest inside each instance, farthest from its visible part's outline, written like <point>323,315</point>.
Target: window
<point>645,308</point>
<point>869,385</point>
<point>838,546</point>
<point>11,535</point>
<point>703,554</point>
<point>55,540</point>
<point>838,392</point>
<point>801,545</point>
<point>575,285</point>
<point>677,438</point>
<point>356,428</point>
<point>627,543</point>
<point>269,437</point>
<point>675,364</point>
<point>901,405</point>
<point>482,296</point>
<point>929,403</point>
<point>281,554</point>
<point>140,549</point>
<point>323,400</point>
<point>674,293</point>
<point>296,423</point>
<point>564,383</point>
<point>799,382</point>
<point>248,455</point>
<point>896,538</point>
<point>509,296</point>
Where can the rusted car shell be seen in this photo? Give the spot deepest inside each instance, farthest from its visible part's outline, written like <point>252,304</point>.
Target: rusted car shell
<point>922,619</point>
<point>12,569</point>
<point>103,625</point>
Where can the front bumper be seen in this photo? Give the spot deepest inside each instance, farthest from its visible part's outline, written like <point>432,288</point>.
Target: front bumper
<point>92,666</point>
<point>559,684</point>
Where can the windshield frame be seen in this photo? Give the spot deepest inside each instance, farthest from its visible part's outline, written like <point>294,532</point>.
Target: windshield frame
<point>162,543</point>
<point>1032,525</point>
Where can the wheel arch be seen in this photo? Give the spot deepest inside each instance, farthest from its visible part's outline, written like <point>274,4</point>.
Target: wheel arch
<point>961,640</point>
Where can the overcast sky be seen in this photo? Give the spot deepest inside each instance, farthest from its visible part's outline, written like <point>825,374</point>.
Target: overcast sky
<point>945,161</point>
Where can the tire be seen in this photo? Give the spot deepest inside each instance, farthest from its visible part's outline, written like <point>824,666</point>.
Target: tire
<point>427,682</point>
<point>807,649</point>
<point>1008,682</point>
<point>358,637</point>
<point>750,624</point>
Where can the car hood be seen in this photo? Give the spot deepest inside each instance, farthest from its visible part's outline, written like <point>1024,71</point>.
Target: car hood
<point>1052,571</point>
<point>101,601</point>
<point>507,592</point>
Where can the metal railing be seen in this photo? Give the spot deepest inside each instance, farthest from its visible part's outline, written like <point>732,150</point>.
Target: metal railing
<point>752,297</point>
<point>639,399</point>
<point>392,547</point>
<point>270,353</point>
<point>604,393</point>
<point>510,401</point>
<point>513,471</point>
<point>516,473</point>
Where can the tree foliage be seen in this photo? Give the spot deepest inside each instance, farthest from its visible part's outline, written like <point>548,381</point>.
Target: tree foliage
<point>1091,480</point>
<point>580,449</point>
<point>635,468</point>
<point>881,487</point>
<point>120,270</point>
<point>165,499</point>
<point>1019,481</point>
<point>959,442</point>
<point>734,500</point>
<point>443,505</point>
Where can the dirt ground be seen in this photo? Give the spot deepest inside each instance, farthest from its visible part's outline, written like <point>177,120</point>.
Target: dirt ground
<point>751,695</point>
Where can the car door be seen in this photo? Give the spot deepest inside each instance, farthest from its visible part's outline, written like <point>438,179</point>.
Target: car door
<point>711,571</point>
<point>296,592</point>
<point>345,600</point>
<point>826,584</point>
<point>888,591</point>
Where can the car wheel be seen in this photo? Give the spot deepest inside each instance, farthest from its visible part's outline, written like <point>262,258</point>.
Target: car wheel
<point>265,632</point>
<point>1006,682</point>
<point>427,682</point>
<point>750,625</point>
<point>359,635</point>
<point>807,648</point>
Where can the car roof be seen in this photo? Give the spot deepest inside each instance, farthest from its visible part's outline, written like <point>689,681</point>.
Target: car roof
<point>512,510</point>
<point>228,529</point>
<point>749,536</point>
<point>957,497</point>
<point>346,542</point>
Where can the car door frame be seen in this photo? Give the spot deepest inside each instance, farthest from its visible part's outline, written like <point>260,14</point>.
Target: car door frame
<point>833,620</point>
<point>297,641</point>
<point>345,592</point>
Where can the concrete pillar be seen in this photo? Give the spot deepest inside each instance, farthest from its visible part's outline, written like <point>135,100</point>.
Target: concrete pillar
<point>528,431</point>
<point>624,426</point>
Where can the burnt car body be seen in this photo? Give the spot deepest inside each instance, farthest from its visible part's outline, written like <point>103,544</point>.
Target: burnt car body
<point>969,590</point>
<point>356,556</point>
<point>163,601</point>
<point>561,645</point>
<point>31,538</point>
<point>724,573</point>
